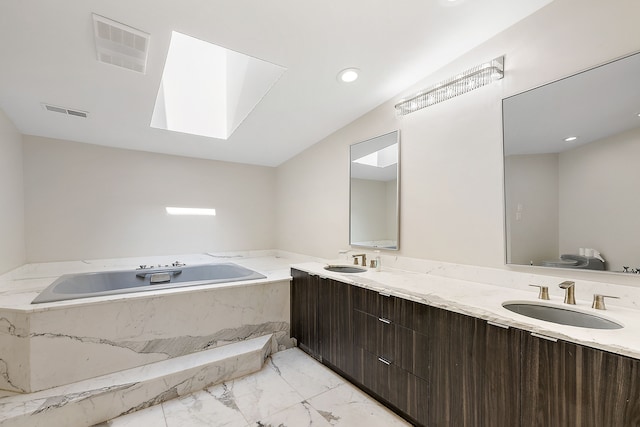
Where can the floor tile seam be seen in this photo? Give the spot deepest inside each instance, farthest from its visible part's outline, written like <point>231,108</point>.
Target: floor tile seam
<point>303,402</point>
<point>328,388</point>
<point>164,415</point>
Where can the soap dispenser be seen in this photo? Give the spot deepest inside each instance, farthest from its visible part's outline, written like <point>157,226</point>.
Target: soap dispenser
<point>378,261</point>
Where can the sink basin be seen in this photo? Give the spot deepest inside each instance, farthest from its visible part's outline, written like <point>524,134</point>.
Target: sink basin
<point>560,315</point>
<point>345,269</point>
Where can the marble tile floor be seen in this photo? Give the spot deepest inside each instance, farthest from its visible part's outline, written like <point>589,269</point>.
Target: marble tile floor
<point>291,390</point>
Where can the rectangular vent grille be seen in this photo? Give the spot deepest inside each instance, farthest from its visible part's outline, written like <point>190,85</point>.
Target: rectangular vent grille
<point>66,111</point>
<point>120,45</point>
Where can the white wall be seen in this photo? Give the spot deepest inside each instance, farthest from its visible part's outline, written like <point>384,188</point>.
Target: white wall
<point>452,167</point>
<point>368,210</point>
<point>531,197</point>
<point>84,202</point>
<point>12,248</point>
<point>600,199</point>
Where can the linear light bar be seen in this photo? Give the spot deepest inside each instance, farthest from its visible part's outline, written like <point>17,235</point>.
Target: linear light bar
<point>190,211</point>
<point>467,81</point>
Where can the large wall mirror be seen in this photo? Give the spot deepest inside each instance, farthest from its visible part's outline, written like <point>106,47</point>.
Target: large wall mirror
<point>572,171</point>
<point>374,191</point>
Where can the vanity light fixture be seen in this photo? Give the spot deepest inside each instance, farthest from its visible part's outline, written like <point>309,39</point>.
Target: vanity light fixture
<point>570,139</point>
<point>190,211</point>
<point>467,81</point>
<point>348,75</point>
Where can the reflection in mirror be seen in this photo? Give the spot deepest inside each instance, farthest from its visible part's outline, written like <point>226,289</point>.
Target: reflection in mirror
<point>571,171</point>
<point>374,192</point>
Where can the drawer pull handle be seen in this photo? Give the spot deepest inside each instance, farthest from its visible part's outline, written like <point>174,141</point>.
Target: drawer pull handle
<point>383,320</point>
<point>386,362</point>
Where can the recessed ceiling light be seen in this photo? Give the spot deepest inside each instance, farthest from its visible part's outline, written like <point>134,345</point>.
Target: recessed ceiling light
<point>348,75</point>
<point>570,139</point>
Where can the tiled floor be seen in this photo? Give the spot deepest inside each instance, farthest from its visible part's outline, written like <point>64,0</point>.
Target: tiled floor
<point>292,390</point>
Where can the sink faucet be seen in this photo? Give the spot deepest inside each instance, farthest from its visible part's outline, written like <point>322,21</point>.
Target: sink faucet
<point>364,259</point>
<point>569,296</point>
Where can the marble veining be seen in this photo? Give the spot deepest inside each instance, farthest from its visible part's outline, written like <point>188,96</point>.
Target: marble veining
<point>59,343</point>
<point>120,394</point>
<point>272,397</point>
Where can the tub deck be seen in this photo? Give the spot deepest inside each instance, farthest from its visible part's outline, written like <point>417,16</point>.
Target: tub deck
<point>51,344</point>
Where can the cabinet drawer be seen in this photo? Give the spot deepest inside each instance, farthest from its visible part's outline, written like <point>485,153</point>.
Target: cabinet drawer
<point>406,313</point>
<point>403,347</point>
<point>374,303</point>
<point>374,334</point>
<point>396,386</point>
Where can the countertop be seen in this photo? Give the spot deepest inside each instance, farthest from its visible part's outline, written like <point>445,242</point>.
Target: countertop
<point>476,291</point>
<point>485,301</point>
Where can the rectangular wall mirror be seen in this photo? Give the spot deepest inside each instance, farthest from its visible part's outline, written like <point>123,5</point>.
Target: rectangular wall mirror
<point>571,162</point>
<point>374,192</point>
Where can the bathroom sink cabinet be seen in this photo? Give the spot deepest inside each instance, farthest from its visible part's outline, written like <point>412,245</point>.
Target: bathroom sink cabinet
<point>321,319</point>
<point>435,366</point>
<point>566,384</point>
<point>304,311</point>
<point>439,368</point>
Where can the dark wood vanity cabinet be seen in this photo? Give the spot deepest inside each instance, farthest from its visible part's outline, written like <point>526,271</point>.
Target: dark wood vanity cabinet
<point>440,368</point>
<point>565,384</point>
<point>451,369</point>
<point>321,319</point>
<point>304,311</point>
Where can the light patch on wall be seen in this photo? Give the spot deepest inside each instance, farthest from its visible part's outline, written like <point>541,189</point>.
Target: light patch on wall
<point>208,90</point>
<point>191,211</point>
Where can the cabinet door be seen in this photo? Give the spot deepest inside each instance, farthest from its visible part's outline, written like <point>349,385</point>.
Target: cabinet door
<point>335,327</point>
<point>566,384</point>
<point>304,311</point>
<point>474,372</point>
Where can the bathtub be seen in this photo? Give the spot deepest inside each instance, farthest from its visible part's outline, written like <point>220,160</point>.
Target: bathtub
<point>74,286</point>
<point>70,340</point>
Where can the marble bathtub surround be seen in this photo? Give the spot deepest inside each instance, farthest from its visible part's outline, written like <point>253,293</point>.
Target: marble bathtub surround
<point>99,399</point>
<point>52,344</point>
<point>292,389</point>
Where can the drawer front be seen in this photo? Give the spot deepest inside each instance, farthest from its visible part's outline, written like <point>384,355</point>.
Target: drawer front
<point>374,303</point>
<point>412,315</point>
<point>374,334</point>
<point>396,386</point>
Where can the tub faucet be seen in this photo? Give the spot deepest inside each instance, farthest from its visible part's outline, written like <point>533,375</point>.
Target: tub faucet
<point>569,296</point>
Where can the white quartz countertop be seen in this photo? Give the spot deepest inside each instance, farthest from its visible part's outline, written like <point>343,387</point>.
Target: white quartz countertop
<point>485,301</point>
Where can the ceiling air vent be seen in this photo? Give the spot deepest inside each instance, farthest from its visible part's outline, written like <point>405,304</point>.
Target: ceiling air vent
<point>66,111</point>
<point>120,45</point>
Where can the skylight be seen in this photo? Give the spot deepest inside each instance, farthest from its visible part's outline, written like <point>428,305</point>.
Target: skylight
<point>208,90</point>
<point>382,158</point>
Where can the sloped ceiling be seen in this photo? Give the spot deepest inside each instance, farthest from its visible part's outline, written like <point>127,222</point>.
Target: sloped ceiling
<point>48,56</point>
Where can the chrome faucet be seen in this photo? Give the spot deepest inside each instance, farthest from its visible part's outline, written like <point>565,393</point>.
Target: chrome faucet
<point>364,259</point>
<point>569,296</point>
